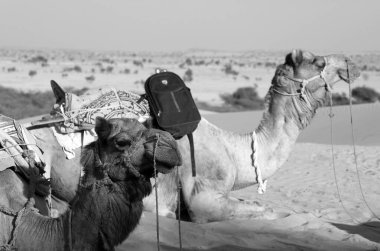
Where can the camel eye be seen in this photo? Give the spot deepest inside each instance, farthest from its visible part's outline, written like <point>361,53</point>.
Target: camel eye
<point>123,143</point>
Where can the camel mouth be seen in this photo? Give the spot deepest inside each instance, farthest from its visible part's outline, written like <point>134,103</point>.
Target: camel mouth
<point>350,73</point>
<point>165,151</point>
<point>164,155</point>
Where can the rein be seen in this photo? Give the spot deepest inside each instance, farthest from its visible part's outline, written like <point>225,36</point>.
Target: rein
<point>331,115</point>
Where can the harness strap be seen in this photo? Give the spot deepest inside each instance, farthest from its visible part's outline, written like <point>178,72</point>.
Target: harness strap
<point>193,167</point>
<point>156,192</point>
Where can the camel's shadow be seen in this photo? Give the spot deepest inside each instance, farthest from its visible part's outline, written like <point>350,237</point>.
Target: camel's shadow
<point>368,230</point>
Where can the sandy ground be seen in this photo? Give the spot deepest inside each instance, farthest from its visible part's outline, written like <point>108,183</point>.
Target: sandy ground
<point>305,186</point>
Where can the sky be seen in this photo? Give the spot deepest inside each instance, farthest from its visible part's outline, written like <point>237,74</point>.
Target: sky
<point>176,25</point>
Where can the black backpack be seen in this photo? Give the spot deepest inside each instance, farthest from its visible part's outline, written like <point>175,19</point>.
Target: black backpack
<point>172,106</point>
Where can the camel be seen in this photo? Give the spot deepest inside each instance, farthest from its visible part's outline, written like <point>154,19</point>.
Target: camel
<point>108,204</point>
<point>228,161</point>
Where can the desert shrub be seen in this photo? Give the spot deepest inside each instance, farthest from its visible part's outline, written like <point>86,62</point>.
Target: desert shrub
<point>138,63</point>
<point>38,59</point>
<point>11,69</point>
<point>75,68</point>
<point>270,64</point>
<point>200,62</point>
<point>109,69</point>
<point>245,98</point>
<point>90,79</point>
<point>32,73</point>
<point>365,94</point>
<point>127,71</point>
<point>188,76</point>
<point>188,61</point>
<point>229,70</point>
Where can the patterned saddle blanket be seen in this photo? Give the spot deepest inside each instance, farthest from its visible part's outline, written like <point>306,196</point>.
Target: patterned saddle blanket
<point>78,115</point>
<point>79,112</point>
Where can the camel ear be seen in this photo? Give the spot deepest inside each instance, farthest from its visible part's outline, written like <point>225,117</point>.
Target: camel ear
<point>296,57</point>
<point>59,93</point>
<point>102,128</point>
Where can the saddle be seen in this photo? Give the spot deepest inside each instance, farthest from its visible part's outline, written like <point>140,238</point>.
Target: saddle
<point>18,151</point>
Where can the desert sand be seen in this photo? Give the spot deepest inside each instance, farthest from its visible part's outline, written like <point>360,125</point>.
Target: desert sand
<point>304,187</point>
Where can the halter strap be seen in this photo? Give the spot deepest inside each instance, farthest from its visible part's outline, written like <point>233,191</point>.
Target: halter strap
<point>304,82</point>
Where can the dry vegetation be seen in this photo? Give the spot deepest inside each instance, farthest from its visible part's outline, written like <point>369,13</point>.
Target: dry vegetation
<point>220,81</point>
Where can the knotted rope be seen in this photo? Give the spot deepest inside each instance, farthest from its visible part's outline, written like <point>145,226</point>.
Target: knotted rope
<point>262,183</point>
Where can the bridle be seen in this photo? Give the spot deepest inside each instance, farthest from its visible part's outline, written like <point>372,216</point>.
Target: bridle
<point>304,82</point>
<point>131,168</point>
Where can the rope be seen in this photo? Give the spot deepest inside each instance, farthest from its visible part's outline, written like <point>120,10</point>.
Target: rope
<point>14,146</point>
<point>262,184</point>
<point>354,148</point>
<point>156,192</point>
<point>331,115</point>
<point>179,209</point>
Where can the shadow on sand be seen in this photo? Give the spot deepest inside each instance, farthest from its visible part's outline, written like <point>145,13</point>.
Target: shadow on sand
<point>368,230</point>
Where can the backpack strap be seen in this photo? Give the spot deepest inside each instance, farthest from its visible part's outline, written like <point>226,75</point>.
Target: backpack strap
<point>191,141</point>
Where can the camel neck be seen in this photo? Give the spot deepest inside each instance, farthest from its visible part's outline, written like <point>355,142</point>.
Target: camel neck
<point>276,135</point>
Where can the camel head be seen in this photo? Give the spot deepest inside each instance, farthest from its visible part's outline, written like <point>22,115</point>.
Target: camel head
<point>305,80</point>
<point>126,149</point>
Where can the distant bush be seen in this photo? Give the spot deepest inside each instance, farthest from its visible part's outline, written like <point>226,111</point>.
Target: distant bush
<point>138,63</point>
<point>38,59</point>
<point>90,79</point>
<point>32,73</point>
<point>188,76</point>
<point>75,68</point>
<point>229,70</point>
<point>109,69</point>
<point>246,98</point>
<point>11,69</point>
<point>188,61</point>
<point>365,94</point>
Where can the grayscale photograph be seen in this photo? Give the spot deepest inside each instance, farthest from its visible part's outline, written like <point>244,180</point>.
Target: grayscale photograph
<point>213,125</point>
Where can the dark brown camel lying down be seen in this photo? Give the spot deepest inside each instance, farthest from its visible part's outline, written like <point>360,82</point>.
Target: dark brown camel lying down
<point>108,204</point>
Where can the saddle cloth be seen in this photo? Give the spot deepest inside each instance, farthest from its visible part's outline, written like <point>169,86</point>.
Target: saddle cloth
<point>80,112</point>
<point>18,149</point>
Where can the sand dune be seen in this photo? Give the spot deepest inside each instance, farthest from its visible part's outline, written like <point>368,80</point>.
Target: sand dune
<point>304,188</point>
